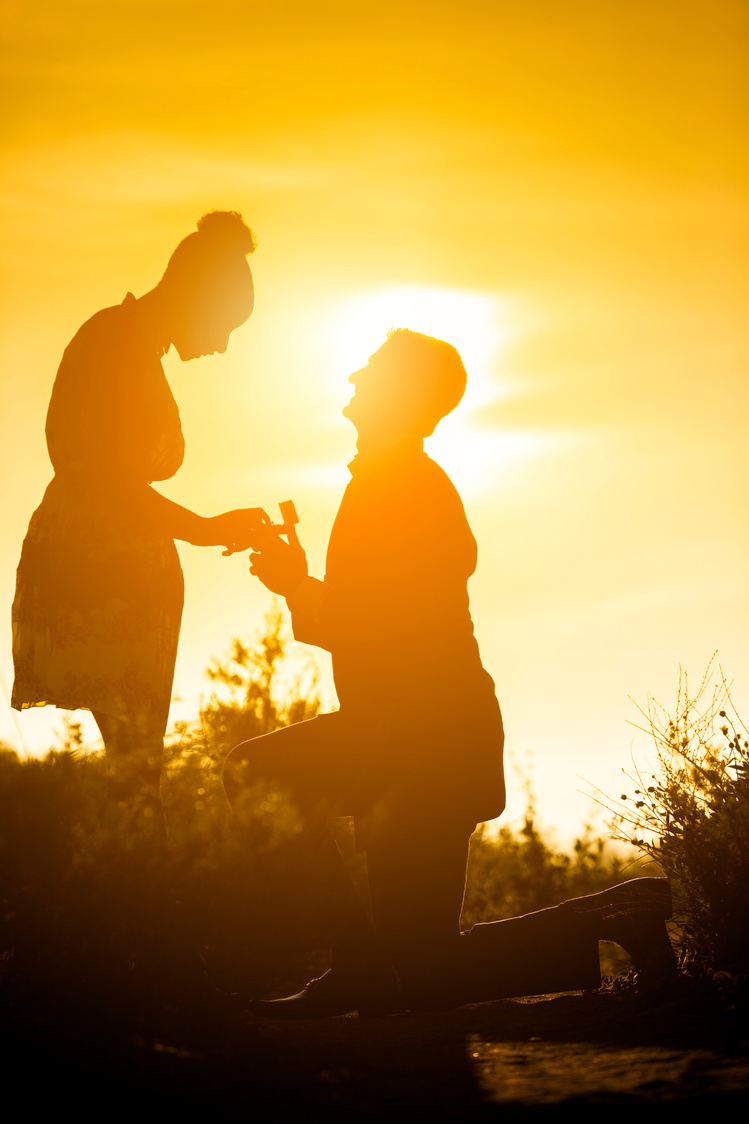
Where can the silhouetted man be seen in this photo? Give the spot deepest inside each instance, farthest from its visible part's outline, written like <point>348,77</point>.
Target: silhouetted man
<point>415,751</point>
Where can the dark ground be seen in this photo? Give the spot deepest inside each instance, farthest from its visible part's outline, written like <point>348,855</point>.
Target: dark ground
<point>509,1060</point>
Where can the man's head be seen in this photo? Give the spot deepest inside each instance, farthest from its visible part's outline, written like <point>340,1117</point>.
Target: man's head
<point>207,285</point>
<point>408,385</point>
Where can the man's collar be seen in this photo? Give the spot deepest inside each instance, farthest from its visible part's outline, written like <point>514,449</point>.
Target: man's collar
<point>371,460</point>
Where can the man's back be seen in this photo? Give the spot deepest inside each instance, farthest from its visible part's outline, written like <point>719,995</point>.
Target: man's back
<point>394,613</point>
<point>395,607</point>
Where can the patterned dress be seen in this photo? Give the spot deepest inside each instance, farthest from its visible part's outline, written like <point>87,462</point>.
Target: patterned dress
<point>99,589</point>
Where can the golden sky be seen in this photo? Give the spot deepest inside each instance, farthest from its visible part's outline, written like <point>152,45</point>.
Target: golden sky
<point>559,188</point>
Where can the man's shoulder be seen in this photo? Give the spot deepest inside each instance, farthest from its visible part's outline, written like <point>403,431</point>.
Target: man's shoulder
<point>407,485</point>
<point>436,480</point>
<point>433,501</point>
<point>435,472</point>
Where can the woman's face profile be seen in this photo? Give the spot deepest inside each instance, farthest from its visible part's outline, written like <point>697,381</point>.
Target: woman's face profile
<point>205,320</point>
<point>197,335</point>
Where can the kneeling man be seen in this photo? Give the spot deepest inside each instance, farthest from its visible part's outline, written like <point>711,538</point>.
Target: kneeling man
<point>415,751</point>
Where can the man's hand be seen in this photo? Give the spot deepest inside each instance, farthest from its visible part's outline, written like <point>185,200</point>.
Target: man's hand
<point>280,566</point>
<point>236,529</point>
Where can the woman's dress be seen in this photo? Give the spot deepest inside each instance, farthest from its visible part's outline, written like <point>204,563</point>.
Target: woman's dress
<point>99,589</point>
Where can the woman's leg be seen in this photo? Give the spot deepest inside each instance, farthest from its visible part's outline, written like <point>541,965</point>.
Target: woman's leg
<point>134,747</point>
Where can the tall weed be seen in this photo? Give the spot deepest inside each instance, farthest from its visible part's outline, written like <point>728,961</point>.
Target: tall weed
<point>689,813</point>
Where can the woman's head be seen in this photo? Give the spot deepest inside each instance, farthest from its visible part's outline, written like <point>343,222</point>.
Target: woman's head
<point>207,284</point>
<point>408,385</point>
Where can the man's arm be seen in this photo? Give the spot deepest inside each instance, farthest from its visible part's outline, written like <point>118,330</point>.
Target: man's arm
<point>305,605</point>
<point>282,568</point>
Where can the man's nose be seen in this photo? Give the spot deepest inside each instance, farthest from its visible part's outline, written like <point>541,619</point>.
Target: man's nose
<point>356,376</point>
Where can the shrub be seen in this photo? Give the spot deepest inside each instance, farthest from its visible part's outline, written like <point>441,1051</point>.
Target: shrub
<point>254,695</point>
<point>98,913</point>
<point>690,815</point>
<point>97,910</point>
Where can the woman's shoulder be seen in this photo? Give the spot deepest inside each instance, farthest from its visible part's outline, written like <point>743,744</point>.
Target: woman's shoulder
<point>112,325</point>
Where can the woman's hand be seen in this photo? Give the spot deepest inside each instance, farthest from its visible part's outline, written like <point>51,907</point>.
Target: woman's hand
<point>236,530</point>
<point>233,529</point>
<point>280,566</point>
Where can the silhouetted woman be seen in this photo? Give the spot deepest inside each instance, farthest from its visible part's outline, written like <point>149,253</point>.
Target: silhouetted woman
<point>99,592</point>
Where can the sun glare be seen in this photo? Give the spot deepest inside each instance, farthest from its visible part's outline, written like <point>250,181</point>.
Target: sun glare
<point>479,325</point>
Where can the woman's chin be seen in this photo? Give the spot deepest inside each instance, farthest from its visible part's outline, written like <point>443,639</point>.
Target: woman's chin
<point>188,350</point>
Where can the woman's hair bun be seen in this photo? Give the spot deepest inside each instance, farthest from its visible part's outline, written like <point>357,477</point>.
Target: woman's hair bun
<point>227,229</point>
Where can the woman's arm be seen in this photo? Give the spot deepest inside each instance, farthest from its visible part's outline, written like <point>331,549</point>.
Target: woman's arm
<point>232,529</point>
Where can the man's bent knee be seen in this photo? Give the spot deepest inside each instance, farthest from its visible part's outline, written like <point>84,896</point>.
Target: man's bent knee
<point>234,774</point>
<point>241,770</point>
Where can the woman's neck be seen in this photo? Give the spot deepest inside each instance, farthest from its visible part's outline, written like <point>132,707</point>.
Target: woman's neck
<point>154,318</point>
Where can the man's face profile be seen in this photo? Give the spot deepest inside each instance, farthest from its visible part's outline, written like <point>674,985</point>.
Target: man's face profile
<point>389,397</point>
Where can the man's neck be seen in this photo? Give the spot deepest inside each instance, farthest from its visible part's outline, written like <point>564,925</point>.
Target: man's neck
<point>385,448</point>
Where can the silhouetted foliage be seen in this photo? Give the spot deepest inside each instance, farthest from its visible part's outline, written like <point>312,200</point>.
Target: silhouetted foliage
<point>690,815</point>
<point>253,696</point>
<point>94,902</point>
<point>99,914</point>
